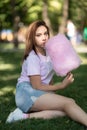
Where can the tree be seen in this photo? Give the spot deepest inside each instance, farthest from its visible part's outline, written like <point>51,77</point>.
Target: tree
<point>54,12</point>
<point>64,16</point>
<point>45,15</point>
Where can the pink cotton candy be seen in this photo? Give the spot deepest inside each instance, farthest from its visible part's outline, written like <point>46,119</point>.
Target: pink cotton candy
<point>63,55</point>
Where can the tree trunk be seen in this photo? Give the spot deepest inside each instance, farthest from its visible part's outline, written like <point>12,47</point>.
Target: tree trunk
<point>16,20</point>
<point>62,27</point>
<point>45,16</point>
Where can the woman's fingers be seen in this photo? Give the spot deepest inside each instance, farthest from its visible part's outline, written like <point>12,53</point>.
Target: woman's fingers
<point>70,77</point>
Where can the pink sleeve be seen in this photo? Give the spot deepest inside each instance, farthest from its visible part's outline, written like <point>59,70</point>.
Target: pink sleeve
<point>33,65</point>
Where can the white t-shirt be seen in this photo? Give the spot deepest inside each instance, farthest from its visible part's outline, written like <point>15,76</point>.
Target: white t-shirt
<point>71,29</point>
<point>37,65</point>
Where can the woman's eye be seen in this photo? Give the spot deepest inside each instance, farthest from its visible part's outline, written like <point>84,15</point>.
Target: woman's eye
<point>37,35</point>
<point>46,33</point>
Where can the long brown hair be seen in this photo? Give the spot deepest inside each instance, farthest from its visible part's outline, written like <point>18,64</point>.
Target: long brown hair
<point>30,36</point>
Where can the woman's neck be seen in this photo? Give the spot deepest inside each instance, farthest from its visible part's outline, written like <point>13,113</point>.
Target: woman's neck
<point>41,51</point>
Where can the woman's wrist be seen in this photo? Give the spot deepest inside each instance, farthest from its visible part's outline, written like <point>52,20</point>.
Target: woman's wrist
<point>63,85</point>
<point>60,85</point>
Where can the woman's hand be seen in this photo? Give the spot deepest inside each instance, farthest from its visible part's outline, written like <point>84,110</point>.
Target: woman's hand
<point>68,80</point>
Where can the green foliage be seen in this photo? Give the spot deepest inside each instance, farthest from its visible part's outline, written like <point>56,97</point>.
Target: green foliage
<point>30,10</point>
<point>77,12</point>
<point>27,10</point>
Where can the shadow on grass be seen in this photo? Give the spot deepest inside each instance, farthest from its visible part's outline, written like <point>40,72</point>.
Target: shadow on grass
<point>8,79</point>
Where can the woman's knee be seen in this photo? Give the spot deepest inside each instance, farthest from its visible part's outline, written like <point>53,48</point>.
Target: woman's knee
<point>70,101</point>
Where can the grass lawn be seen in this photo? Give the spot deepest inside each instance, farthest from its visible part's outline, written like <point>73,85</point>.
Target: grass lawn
<point>10,67</point>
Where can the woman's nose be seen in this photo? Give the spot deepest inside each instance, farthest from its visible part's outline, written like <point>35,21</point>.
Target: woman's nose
<point>43,37</point>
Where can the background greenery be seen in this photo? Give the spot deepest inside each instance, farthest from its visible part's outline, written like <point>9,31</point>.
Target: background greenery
<point>49,10</point>
<point>10,67</point>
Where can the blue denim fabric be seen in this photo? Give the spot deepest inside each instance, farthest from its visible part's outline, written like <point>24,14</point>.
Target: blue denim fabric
<point>26,96</point>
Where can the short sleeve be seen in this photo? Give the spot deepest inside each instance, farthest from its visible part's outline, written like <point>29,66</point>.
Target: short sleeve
<point>33,65</point>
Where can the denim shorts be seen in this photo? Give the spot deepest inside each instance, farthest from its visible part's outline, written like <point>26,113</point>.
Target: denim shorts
<point>26,96</point>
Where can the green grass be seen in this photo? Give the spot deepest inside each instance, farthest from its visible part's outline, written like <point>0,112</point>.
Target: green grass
<point>10,67</point>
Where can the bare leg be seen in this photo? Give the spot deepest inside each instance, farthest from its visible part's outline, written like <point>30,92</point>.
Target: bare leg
<point>56,102</point>
<point>47,114</point>
<point>18,114</point>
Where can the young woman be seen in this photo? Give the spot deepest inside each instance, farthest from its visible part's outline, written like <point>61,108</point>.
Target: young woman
<point>35,92</point>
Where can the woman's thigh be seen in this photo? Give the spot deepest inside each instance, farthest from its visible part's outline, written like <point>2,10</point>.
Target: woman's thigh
<point>51,101</point>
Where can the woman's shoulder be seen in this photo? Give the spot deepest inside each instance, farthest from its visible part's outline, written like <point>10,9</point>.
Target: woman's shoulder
<point>33,55</point>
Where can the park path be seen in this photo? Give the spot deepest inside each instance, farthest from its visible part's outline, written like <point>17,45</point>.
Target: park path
<point>81,49</point>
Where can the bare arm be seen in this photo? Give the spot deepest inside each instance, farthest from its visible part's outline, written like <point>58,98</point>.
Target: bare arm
<point>37,84</point>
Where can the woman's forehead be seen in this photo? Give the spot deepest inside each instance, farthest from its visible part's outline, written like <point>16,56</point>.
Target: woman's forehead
<point>41,29</point>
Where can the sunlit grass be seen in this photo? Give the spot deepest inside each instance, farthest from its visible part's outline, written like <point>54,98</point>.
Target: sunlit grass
<point>6,66</point>
<point>6,89</point>
<point>6,46</point>
<point>11,77</point>
<point>9,46</point>
<point>84,59</point>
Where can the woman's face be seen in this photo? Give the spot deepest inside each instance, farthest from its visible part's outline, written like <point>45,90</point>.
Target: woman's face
<point>41,37</point>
